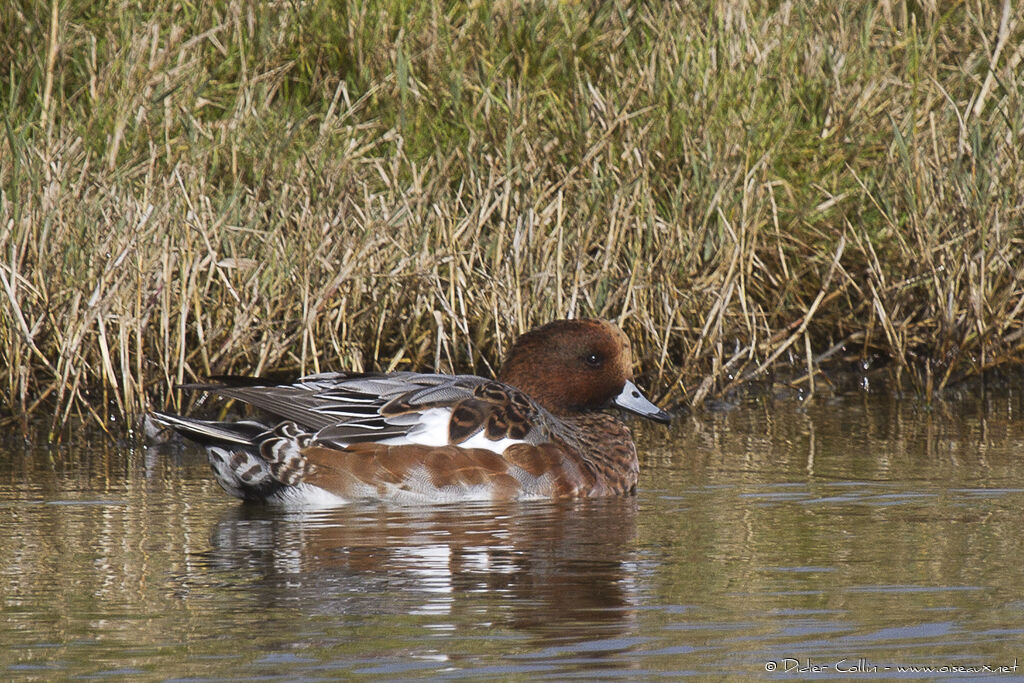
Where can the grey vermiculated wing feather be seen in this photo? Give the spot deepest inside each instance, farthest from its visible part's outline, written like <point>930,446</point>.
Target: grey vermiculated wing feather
<point>387,387</point>
<point>415,389</point>
<point>374,382</point>
<point>332,400</point>
<point>289,402</point>
<point>346,433</point>
<point>442,393</point>
<point>412,389</point>
<point>315,402</point>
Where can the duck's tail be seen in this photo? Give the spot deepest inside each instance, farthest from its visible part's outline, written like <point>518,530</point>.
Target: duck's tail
<point>234,452</point>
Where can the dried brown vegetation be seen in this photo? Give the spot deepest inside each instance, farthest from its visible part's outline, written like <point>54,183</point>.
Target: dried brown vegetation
<point>245,187</point>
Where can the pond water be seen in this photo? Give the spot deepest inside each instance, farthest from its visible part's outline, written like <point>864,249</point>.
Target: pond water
<point>856,538</point>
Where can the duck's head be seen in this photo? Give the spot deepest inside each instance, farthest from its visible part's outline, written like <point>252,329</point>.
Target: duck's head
<point>572,367</point>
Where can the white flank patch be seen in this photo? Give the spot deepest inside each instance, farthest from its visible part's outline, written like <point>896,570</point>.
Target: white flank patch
<point>431,429</point>
<point>480,440</point>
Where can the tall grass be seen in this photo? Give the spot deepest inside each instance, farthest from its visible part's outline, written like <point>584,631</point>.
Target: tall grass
<point>242,187</point>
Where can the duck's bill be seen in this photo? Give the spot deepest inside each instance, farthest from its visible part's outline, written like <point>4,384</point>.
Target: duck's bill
<point>632,400</point>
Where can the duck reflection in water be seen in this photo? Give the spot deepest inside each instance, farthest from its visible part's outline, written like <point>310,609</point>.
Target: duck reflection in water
<point>527,566</point>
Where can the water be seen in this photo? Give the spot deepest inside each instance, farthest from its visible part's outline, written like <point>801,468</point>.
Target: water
<point>847,538</point>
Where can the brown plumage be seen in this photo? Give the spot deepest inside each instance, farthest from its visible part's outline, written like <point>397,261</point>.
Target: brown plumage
<point>538,432</point>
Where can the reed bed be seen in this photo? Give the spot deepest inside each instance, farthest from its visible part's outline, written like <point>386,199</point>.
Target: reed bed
<point>239,187</point>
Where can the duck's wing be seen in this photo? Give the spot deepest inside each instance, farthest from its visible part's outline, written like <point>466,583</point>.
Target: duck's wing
<point>338,409</point>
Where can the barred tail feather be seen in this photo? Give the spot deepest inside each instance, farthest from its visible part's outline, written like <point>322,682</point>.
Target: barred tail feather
<point>233,449</point>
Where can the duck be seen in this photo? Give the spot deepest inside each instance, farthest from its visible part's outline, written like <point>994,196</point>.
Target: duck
<point>540,430</point>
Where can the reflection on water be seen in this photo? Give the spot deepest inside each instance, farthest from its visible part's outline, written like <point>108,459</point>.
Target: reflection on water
<point>548,564</point>
<point>860,533</point>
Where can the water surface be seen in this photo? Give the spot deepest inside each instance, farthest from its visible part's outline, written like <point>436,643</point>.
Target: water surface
<point>846,538</point>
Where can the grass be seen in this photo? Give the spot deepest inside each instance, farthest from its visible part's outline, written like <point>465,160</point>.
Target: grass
<point>236,187</point>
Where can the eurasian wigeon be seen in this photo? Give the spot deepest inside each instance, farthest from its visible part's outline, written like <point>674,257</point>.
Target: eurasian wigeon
<point>537,432</point>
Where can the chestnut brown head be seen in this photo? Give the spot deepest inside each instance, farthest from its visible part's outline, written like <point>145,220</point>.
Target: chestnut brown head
<point>577,366</point>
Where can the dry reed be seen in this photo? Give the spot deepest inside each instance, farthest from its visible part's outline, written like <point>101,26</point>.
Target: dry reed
<point>249,187</point>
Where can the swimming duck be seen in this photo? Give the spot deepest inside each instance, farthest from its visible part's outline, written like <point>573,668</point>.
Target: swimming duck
<point>539,431</point>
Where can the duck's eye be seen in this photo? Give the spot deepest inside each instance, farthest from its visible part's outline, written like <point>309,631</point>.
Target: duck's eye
<point>592,360</point>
